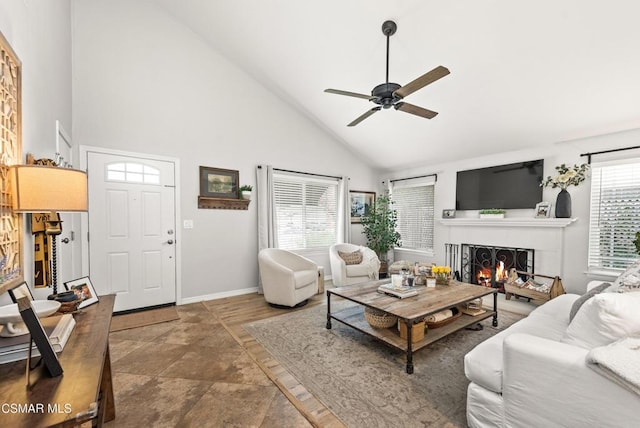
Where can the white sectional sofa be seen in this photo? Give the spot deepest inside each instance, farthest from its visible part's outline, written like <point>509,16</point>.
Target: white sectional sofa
<point>535,373</point>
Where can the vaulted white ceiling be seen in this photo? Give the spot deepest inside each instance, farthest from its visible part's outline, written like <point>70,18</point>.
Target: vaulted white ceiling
<point>523,73</point>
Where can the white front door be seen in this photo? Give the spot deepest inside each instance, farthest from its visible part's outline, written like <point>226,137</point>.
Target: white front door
<point>132,229</point>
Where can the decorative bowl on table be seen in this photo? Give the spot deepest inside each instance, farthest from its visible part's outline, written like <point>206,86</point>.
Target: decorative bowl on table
<point>11,321</point>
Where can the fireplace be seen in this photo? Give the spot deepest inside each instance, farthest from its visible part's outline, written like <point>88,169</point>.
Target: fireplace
<point>489,265</point>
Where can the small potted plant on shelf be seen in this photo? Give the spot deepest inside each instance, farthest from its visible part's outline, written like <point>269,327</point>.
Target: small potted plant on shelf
<point>492,213</point>
<point>245,192</point>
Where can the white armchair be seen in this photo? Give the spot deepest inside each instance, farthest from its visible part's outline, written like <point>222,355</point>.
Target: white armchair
<point>348,274</point>
<point>287,278</point>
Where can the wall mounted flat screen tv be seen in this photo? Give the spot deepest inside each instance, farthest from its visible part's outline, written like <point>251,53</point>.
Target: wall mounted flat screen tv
<point>511,186</point>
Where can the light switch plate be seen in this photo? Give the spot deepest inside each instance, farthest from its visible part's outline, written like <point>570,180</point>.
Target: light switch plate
<point>188,224</point>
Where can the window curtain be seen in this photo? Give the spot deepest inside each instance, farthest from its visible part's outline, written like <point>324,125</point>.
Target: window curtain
<point>267,236</point>
<point>344,212</point>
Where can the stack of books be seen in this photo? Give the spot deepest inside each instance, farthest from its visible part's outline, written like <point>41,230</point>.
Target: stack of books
<point>400,291</point>
<point>58,329</point>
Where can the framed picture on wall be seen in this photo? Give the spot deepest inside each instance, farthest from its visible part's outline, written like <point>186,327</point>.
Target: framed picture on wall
<point>219,183</point>
<point>361,203</point>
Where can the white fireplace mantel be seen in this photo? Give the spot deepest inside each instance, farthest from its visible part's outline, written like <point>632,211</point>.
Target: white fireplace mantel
<point>509,222</point>
<point>544,235</point>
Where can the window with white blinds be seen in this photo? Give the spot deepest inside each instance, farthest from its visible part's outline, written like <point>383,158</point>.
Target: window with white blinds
<point>306,210</point>
<point>615,215</point>
<point>414,206</point>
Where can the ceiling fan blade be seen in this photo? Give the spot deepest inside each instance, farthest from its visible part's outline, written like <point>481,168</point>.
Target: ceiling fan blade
<point>364,116</point>
<point>422,81</point>
<point>418,111</point>
<point>349,94</point>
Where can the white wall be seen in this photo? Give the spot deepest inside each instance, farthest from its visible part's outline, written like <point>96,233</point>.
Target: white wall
<point>143,82</point>
<point>39,31</point>
<point>576,235</point>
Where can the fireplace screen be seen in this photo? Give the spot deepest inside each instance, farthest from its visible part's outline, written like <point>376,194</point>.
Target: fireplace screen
<point>489,265</point>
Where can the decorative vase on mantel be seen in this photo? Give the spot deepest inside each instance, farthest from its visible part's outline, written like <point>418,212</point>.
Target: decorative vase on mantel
<point>563,204</point>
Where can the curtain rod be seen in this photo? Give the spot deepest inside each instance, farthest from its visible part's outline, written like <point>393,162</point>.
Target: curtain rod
<point>607,151</point>
<point>411,178</point>
<point>304,173</point>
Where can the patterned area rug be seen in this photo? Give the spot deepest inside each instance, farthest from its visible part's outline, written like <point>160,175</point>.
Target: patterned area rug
<point>364,381</point>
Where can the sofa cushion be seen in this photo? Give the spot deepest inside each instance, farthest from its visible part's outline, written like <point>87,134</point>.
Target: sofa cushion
<point>483,365</point>
<point>304,277</point>
<point>353,258</point>
<point>589,294</point>
<point>603,319</point>
<point>629,280</point>
<point>358,270</point>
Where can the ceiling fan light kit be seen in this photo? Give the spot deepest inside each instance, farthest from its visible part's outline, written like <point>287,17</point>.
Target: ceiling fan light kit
<point>389,94</point>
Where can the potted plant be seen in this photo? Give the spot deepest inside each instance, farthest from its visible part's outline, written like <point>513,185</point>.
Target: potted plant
<point>492,213</point>
<point>379,227</point>
<point>566,176</point>
<point>245,191</point>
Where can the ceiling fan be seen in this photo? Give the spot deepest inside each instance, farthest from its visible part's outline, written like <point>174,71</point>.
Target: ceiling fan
<point>389,94</point>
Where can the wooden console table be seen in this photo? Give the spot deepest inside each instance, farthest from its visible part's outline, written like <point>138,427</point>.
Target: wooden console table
<point>84,391</point>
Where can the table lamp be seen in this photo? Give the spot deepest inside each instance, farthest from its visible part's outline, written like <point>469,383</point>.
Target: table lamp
<point>37,189</point>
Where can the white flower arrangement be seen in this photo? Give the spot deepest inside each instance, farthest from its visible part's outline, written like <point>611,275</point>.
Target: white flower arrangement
<point>567,176</point>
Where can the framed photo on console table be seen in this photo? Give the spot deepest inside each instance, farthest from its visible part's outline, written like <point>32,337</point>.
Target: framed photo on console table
<point>84,290</point>
<point>543,209</point>
<point>20,290</point>
<point>39,337</point>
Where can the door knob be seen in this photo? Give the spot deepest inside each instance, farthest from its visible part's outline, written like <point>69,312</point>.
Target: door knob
<point>65,240</point>
<point>170,241</point>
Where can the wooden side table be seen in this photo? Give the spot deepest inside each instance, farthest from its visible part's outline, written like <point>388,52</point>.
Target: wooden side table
<point>83,393</point>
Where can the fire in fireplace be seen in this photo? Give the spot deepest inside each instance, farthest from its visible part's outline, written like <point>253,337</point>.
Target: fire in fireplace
<point>489,265</point>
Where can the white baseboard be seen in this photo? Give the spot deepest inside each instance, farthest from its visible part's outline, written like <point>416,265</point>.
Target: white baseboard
<point>215,296</point>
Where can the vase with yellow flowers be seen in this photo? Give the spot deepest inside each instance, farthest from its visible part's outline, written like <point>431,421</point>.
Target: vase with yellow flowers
<point>566,176</point>
<point>442,273</point>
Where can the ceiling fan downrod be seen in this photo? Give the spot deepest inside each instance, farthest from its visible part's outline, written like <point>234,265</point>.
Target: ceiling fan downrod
<point>388,29</point>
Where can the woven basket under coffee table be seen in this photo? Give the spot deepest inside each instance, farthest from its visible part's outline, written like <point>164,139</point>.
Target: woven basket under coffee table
<point>379,319</point>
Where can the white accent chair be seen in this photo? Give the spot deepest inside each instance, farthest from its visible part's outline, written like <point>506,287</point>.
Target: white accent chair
<point>288,279</point>
<point>343,274</point>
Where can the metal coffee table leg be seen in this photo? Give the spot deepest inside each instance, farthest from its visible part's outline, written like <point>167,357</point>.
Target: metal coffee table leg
<point>409,348</point>
<point>495,310</point>
<point>328,310</point>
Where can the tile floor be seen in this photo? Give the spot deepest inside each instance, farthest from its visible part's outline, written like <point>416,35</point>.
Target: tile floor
<point>192,372</point>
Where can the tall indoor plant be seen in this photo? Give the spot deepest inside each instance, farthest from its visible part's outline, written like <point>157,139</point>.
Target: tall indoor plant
<point>566,176</point>
<point>379,226</point>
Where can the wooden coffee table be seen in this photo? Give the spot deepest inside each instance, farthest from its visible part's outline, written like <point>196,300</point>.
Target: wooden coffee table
<point>410,310</point>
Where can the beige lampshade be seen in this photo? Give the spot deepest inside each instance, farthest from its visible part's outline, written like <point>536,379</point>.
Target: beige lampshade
<point>37,188</point>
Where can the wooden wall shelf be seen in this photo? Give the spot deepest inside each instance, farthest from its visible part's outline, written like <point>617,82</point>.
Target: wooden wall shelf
<point>223,203</point>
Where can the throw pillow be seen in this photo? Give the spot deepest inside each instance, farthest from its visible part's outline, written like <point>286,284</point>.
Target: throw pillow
<point>629,280</point>
<point>354,258</point>
<point>603,319</point>
<point>589,294</point>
